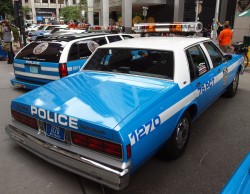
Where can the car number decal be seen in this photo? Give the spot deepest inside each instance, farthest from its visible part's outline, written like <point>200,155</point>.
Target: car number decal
<point>206,86</point>
<point>144,130</point>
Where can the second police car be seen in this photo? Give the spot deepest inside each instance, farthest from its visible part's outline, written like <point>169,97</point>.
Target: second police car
<point>46,60</point>
<point>130,100</point>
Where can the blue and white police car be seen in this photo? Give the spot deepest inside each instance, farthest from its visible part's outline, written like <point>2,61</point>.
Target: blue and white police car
<point>41,62</point>
<point>131,99</point>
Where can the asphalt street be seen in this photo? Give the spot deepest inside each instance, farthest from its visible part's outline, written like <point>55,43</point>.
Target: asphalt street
<point>219,141</point>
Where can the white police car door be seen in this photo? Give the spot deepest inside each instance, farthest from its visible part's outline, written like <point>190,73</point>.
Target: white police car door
<point>220,67</point>
<point>202,77</point>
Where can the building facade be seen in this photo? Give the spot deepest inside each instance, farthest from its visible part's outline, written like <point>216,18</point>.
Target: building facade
<point>128,12</point>
<point>46,10</point>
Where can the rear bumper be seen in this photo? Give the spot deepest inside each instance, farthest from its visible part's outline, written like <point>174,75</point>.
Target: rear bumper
<point>94,170</point>
<point>22,84</point>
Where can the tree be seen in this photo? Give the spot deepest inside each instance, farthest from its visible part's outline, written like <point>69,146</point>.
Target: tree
<point>74,12</point>
<point>26,11</point>
<point>70,13</point>
<point>6,8</point>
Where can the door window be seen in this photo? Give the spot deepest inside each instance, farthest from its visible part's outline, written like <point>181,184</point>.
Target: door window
<point>214,53</point>
<point>198,64</point>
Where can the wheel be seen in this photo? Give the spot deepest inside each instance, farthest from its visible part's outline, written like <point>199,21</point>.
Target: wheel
<point>177,143</point>
<point>232,88</point>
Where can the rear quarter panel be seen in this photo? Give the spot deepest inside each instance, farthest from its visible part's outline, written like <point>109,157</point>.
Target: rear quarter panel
<point>151,125</point>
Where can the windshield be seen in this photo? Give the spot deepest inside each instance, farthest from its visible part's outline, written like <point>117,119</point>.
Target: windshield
<point>153,63</point>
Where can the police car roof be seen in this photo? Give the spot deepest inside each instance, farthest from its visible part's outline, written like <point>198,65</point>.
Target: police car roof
<point>69,37</point>
<point>158,43</point>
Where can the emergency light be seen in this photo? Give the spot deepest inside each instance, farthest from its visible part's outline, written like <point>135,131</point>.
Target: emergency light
<point>176,27</point>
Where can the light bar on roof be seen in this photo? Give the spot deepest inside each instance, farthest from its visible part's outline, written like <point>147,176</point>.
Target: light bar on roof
<point>177,27</point>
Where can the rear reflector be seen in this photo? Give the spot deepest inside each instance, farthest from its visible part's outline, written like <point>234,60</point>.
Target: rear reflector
<point>26,120</point>
<point>128,147</point>
<point>63,71</point>
<point>96,144</point>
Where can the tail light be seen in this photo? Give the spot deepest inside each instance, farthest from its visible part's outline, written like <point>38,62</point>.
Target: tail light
<point>99,145</point>
<point>26,120</point>
<point>63,71</point>
<point>128,147</point>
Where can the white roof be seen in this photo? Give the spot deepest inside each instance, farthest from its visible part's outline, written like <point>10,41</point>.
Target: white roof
<point>160,43</point>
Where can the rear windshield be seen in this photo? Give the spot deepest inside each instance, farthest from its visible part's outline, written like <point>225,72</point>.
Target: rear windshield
<point>41,51</point>
<point>152,63</point>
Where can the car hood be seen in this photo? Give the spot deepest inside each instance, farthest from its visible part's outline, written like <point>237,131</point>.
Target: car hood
<point>99,98</point>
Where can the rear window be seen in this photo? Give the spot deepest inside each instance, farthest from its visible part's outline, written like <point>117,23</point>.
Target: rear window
<point>152,63</point>
<point>47,52</point>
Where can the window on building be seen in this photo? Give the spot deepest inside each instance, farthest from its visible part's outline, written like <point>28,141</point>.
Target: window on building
<point>52,1</point>
<point>74,2</point>
<point>45,1</point>
<point>26,1</point>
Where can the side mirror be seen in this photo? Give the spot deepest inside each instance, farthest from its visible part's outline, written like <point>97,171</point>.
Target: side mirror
<point>228,57</point>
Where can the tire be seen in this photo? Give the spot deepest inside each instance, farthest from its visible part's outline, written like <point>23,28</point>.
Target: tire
<point>232,88</point>
<point>178,141</point>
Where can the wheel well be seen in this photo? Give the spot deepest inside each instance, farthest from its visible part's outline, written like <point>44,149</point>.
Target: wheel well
<point>239,69</point>
<point>192,111</point>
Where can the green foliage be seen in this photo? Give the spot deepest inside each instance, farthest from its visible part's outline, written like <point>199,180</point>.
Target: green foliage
<point>6,7</point>
<point>26,10</point>
<point>70,13</point>
<point>74,12</point>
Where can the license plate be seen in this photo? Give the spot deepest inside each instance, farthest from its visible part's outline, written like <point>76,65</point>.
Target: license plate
<point>55,132</point>
<point>33,69</point>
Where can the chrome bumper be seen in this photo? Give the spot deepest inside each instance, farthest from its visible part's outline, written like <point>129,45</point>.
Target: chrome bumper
<point>111,177</point>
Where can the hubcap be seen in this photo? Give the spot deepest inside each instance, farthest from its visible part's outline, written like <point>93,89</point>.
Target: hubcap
<point>182,133</point>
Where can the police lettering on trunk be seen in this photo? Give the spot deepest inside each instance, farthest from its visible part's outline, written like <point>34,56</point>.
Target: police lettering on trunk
<point>55,117</point>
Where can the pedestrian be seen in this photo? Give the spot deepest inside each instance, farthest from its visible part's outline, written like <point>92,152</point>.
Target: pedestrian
<point>7,39</point>
<point>225,38</point>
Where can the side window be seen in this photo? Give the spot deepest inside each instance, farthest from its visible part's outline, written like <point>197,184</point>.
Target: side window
<point>79,50</point>
<point>127,37</point>
<point>73,53</point>
<point>198,64</point>
<point>101,41</point>
<point>114,38</point>
<point>84,51</point>
<point>214,53</point>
